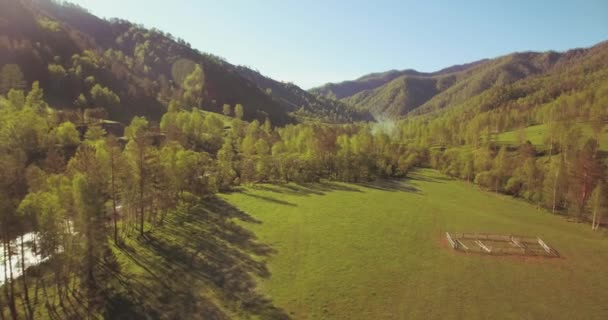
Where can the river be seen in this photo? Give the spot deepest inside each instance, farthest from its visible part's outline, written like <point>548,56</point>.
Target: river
<point>32,258</point>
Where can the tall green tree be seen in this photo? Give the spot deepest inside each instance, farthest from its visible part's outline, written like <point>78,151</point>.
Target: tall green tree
<point>88,192</point>
<point>35,99</point>
<point>140,157</point>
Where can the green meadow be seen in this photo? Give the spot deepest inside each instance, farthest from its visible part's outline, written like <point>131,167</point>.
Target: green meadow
<point>377,251</point>
<point>537,135</point>
<point>351,251</point>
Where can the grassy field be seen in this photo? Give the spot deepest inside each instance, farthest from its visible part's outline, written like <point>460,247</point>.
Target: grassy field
<point>347,251</point>
<point>344,251</point>
<point>536,135</point>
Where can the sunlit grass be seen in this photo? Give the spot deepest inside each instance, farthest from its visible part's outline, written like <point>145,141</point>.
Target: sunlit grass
<point>537,135</point>
<point>347,251</point>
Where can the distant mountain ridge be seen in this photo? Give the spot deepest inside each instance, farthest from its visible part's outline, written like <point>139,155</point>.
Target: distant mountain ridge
<point>373,80</point>
<point>394,94</point>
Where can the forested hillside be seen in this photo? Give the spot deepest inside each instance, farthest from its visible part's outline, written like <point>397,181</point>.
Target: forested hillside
<point>124,69</point>
<point>374,80</point>
<point>566,171</point>
<point>304,104</point>
<point>394,94</point>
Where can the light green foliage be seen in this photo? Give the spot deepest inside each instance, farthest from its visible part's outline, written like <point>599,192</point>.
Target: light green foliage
<point>95,133</point>
<point>25,129</point>
<point>89,81</point>
<point>261,148</point>
<point>239,112</point>
<point>173,106</point>
<point>141,52</point>
<point>214,125</point>
<point>66,134</point>
<point>81,102</point>
<point>16,99</point>
<point>49,24</point>
<point>104,97</point>
<point>181,69</point>
<point>35,99</point>
<point>227,110</point>
<point>85,64</point>
<point>196,129</point>
<point>193,87</point>
<point>57,72</point>
<point>45,208</point>
<point>183,169</point>
<point>137,128</point>
<point>539,135</point>
<point>225,158</point>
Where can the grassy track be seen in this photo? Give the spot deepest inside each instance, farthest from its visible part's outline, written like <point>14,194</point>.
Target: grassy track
<point>348,251</point>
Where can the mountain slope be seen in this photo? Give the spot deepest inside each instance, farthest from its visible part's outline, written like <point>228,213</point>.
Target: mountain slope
<point>397,93</point>
<point>302,103</point>
<point>374,80</point>
<point>397,97</point>
<point>70,51</point>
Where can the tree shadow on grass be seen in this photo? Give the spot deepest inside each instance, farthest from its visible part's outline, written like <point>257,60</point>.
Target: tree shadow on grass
<point>329,186</point>
<point>392,185</point>
<point>200,264</point>
<point>306,189</point>
<point>269,199</point>
<point>289,189</point>
<point>415,176</point>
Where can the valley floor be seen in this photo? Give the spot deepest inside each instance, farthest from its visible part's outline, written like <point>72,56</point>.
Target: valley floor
<point>377,251</point>
<point>349,251</point>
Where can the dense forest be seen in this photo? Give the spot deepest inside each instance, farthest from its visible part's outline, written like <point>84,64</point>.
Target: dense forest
<point>107,128</point>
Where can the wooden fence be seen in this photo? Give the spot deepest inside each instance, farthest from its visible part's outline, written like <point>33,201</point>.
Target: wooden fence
<point>500,244</point>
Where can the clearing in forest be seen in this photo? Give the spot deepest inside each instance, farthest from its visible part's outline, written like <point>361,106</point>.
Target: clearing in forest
<point>378,251</point>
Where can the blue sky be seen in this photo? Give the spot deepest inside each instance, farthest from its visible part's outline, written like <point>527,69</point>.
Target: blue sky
<point>312,42</point>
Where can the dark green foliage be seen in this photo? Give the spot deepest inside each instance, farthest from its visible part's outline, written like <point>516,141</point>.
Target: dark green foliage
<point>11,77</point>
